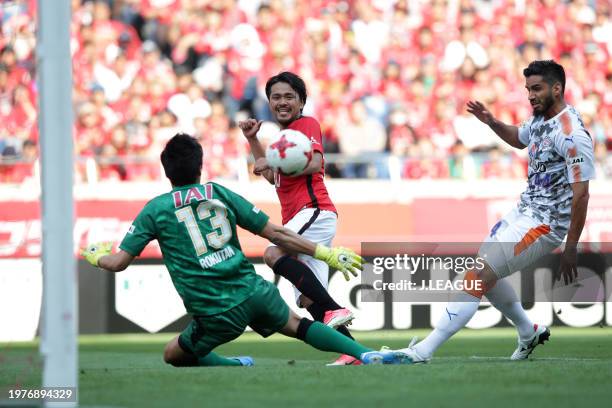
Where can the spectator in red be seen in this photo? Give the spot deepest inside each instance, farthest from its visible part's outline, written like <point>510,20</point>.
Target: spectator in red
<point>90,136</point>
<point>403,53</point>
<point>17,75</point>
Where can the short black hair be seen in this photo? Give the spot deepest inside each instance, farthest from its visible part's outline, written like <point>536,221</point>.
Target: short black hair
<point>550,71</point>
<point>293,80</point>
<point>182,160</point>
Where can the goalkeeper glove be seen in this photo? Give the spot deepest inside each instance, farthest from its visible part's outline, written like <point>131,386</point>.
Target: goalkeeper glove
<point>94,252</point>
<point>342,259</point>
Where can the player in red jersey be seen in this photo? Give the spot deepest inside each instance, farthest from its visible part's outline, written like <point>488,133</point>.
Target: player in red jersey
<point>305,204</point>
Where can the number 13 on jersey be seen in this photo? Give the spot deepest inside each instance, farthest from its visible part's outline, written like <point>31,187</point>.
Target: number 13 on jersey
<point>222,230</point>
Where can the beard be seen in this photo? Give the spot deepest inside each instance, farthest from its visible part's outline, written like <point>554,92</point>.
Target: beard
<point>545,104</point>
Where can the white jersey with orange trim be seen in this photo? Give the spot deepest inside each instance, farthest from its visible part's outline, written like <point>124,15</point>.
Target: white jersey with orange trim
<point>560,153</point>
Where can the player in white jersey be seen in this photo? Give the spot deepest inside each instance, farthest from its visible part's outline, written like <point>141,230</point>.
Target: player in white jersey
<point>553,206</point>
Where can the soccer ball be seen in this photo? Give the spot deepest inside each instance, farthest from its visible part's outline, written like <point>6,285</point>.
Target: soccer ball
<point>289,152</point>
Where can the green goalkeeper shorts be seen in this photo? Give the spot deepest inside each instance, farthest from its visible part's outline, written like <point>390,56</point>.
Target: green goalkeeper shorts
<point>265,311</point>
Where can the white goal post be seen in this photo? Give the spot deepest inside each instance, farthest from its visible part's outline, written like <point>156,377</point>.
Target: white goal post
<point>59,309</point>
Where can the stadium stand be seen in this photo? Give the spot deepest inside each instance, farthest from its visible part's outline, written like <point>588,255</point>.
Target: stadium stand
<point>388,80</point>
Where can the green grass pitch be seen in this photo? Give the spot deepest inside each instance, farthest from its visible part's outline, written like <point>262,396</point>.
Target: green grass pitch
<point>471,370</point>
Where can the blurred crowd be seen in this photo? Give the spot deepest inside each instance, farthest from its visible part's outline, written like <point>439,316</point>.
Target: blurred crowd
<point>387,79</point>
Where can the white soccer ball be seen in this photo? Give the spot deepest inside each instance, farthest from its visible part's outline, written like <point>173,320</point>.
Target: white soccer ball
<point>289,152</point>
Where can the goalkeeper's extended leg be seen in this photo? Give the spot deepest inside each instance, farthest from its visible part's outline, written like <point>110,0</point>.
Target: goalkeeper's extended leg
<point>178,356</point>
<point>325,338</point>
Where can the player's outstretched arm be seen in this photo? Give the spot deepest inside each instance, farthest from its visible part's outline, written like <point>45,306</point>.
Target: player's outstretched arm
<point>580,202</point>
<point>508,133</point>
<point>249,128</point>
<point>314,165</point>
<point>342,259</point>
<point>100,255</point>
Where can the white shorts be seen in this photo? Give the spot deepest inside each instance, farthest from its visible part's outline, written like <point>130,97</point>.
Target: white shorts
<point>517,241</point>
<point>318,226</point>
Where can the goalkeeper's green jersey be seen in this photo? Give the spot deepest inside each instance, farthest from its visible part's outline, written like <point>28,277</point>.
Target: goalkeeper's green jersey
<point>195,226</point>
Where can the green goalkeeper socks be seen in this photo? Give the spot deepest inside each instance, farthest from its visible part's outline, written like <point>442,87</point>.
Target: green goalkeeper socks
<point>325,338</point>
<point>213,359</point>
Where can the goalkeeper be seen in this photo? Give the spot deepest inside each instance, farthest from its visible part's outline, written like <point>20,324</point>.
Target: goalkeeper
<point>195,225</point>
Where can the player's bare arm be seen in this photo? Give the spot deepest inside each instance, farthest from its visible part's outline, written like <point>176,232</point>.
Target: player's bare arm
<point>342,259</point>
<point>287,239</point>
<point>116,262</point>
<point>261,165</point>
<point>100,255</point>
<point>508,133</point>
<point>314,166</point>
<point>580,202</point>
<point>249,128</point>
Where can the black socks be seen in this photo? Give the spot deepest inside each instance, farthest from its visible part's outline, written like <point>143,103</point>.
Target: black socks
<point>305,281</point>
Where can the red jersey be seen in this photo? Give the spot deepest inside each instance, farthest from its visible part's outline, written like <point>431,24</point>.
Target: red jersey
<point>307,191</point>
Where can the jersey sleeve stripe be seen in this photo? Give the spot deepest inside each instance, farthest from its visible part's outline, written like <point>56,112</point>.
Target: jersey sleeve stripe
<point>566,123</point>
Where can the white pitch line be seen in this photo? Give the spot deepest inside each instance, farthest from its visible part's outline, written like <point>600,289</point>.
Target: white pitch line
<point>540,358</point>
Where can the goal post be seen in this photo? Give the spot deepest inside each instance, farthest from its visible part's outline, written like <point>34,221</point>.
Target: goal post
<point>59,308</point>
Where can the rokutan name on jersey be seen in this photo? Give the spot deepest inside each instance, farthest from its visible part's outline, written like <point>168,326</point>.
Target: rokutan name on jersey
<point>211,260</point>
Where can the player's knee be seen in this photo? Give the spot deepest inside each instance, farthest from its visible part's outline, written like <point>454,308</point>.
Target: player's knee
<point>291,327</point>
<point>172,356</point>
<point>168,356</point>
<point>304,302</point>
<point>488,276</point>
<point>479,282</point>
<point>272,254</point>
